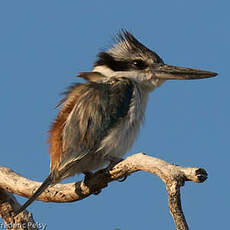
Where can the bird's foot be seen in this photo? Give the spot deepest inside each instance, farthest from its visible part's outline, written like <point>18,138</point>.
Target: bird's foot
<point>88,176</point>
<point>113,162</point>
<point>122,179</point>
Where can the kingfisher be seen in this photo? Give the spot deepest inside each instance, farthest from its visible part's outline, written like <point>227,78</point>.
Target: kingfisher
<point>99,119</point>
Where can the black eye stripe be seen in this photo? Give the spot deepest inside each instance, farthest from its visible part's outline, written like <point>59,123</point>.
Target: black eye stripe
<point>109,61</point>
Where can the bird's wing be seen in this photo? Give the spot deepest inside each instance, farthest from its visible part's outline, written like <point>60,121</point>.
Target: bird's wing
<point>97,109</point>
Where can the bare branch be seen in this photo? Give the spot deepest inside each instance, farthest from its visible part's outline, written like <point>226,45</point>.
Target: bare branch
<point>172,175</point>
<point>8,204</point>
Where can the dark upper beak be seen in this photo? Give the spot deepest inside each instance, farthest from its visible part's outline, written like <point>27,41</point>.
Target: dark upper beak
<point>169,72</point>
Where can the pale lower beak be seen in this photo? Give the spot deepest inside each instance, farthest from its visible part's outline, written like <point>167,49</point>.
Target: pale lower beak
<point>169,72</point>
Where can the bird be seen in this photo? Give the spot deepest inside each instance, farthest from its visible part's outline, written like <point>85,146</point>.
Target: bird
<point>100,118</point>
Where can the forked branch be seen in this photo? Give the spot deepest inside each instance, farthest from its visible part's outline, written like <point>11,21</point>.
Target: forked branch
<point>173,176</point>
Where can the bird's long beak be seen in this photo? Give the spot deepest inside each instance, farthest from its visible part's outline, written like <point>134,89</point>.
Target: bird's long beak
<point>169,72</point>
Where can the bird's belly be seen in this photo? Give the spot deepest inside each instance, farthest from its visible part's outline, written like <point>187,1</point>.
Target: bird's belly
<point>121,139</point>
<point>115,145</point>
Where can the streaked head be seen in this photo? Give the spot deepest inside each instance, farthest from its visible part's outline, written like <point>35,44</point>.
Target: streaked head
<point>130,58</point>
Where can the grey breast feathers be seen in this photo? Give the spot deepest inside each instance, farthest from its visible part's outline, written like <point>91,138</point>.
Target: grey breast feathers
<point>99,107</point>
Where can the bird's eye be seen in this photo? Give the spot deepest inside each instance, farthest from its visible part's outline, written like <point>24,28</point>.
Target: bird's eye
<point>139,64</point>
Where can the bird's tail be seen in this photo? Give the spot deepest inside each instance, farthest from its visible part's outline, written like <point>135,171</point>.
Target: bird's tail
<point>48,181</point>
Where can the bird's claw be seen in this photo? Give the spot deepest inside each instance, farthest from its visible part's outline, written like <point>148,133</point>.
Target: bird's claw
<point>122,179</point>
<point>113,161</point>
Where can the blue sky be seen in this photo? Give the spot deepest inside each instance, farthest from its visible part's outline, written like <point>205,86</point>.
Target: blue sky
<point>44,44</point>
